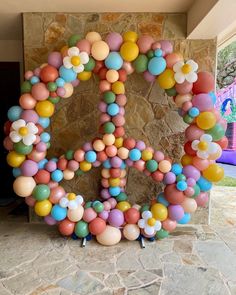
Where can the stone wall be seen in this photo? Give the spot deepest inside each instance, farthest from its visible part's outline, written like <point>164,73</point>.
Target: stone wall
<point>150,114</point>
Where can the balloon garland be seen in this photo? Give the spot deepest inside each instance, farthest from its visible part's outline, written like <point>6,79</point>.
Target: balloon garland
<point>186,184</point>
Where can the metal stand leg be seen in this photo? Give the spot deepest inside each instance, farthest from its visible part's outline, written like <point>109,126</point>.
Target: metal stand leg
<point>83,243</point>
<point>142,243</point>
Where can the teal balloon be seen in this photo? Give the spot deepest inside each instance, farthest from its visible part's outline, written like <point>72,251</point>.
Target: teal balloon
<point>196,190</point>
<point>185,219</point>
<point>121,197</point>
<point>145,207</point>
<point>67,74</point>
<point>81,229</point>
<point>14,113</point>
<point>217,132</point>
<point>22,149</point>
<point>204,184</point>
<point>156,65</point>
<point>161,234</point>
<point>141,63</point>
<point>41,192</point>
<point>151,165</point>
<point>98,206</point>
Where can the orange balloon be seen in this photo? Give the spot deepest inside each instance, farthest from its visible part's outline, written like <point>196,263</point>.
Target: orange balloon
<point>169,224</point>
<point>27,101</point>
<point>66,227</point>
<point>48,74</point>
<point>97,226</point>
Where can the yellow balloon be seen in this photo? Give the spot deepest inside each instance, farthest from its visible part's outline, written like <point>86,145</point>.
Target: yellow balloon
<point>118,87</point>
<point>45,108</point>
<point>123,206</point>
<point>186,160</point>
<point>206,120</point>
<point>159,211</point>
<point>114,181</point>
<point>130,36</point>
<point>14,159</point>
<point>85,166</point>
<point>84,76</point>
<point>118,142</point>
<point>166,80</point>
<point>146,155</point>
<point>213,173</point>
<point>129,51</point>
<point>64,50</point>
<point>43,208</point>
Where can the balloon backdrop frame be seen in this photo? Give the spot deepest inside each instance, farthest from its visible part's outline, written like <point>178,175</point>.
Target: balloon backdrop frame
<point>186,183</point>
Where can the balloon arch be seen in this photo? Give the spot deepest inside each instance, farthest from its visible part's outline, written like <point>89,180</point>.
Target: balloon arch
<point>113,217</point>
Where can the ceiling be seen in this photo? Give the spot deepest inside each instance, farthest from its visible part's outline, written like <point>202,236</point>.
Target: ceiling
<point>10,10</point>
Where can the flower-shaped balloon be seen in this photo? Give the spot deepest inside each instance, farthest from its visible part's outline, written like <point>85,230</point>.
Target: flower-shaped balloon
<point>205,147</point>
<point>185,71</point>
<point>23,131</point>
<point>149,223</point>
<point>75,59</point>
<point>71,201</point>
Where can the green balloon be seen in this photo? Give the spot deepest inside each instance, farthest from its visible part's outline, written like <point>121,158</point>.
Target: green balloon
<point>145,207</point>
<point>161,234</point>
<point>181,177</point>
<point>171,92</point>
<point>88,205</point>
<point>98,206</point>
<point>22,149</point>
<point>217,132</point>
<point>196,191</point>
<point>69,155</point>
<point>109,127</point>
<point>81,229</point>
<point>121,197</point>
<point>187,119</point>
<point>74,39</point>
<point>41,192</point>
<point>79,172</point>
<point>26,87</point>
<point>150,54</point>
<point>51,86</point>
<point>90,65</point>
<point>151,165</point>
<point>141,63</point>
<point>54,100</point>
<point>109,97</point>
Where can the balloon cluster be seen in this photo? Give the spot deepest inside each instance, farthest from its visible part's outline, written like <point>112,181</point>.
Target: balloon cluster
<point>186,184</point>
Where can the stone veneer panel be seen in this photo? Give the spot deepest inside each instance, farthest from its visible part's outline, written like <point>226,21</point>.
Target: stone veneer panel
<point>150,114</point>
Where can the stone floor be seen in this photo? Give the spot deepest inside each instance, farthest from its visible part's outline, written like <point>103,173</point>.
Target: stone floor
<point>195,260</point>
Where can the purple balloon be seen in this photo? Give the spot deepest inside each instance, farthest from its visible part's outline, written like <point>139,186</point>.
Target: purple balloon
<point>129,162</point>
<point>149,77</point>
<point>114,41</point>
<point>87,147</point>
<point>191,182</point>
<point>169,178</point>
<point>55,59</point>
<point>61,91</point>
<point>175,212</point>
<point>104,215</point>
<point>51,166</point>
<point>116,162</point>
<point>116,218</point>
<point>96,164</point>
<point>102,106</point>
<point>50,220</point>
<point>140,145</point>
<point>30,116</point>
<point>191,172</point>
<point>41,147</point>
<point>29,168</point>
<point>203,102</point>
<point>75,83</point>
<point>166,47</point>
<point>105,194</point>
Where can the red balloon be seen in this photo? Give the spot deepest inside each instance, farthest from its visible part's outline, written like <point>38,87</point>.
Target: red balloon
<point>40,128</point>
<point>132,215</point>
<point>98,66</point>
<point>204,84</point>
<point>157,176</point>
<point>66,227</point>
<point>173,195</point>
<point>223,142</point>
<point>129,143</point>
<point>62,164</point>
<point>7,127</point>
<point>122,75</point>
<point>188,149</point>
<point>97,226</point>
<point>119,132</point>
<point>101,156</point>
<point>115,172</point>
<point>102,74</point>
<point>48,74</point>
<point>42,176</point>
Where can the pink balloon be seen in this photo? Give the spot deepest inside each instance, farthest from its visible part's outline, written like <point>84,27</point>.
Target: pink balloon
<point>145,43</point>
<point>30,201</point>
<point>166,47</point>
<point>84,46</point>
<point>55,59</point>
<point>203,102</point>
<point>169,224</point>
<point>56,194</point>
<point>50,220</point>
<point>193,132</point>
<point>149,77</point>
<point>184,88</point>
<point>89,214</point>
<point>114,41</point>
<point>30,116</point>
<point>202,199</point>
<point>39,91</point>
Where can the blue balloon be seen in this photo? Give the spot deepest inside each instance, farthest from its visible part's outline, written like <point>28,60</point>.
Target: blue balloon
<point>16,172</point>
<point>60,82</point>
<point>42,163</point>
<point>34,80</point>
<point>162,200</point>
<point>114,191</point>
<point>204,184</point>
<point>185,219</point>
<point>213,96</point>
<point>193,112</point>
<point>114,61</point>
<point>158,52</point>
<point>67,74</point>
<point>123,165</point>
<point>58,213</point>
<point>181,185</point>
<point>14,113</point>
<point>107,164</point>
<point>135,154</point>
<point>45,137</point>
<point>156,65</point>
<point>113,109</point>
<point>90,156</point>
<point>176,169</point>
<point>57,175</point>
<point>44,122</point>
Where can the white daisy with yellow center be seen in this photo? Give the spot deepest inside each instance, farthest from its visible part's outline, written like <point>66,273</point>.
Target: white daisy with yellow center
<point>75,59</point>
<point>71,201</point>
<point>205,147</point>
<point>185,71</point>
<point>148,223</point>
<point>23,131</point>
